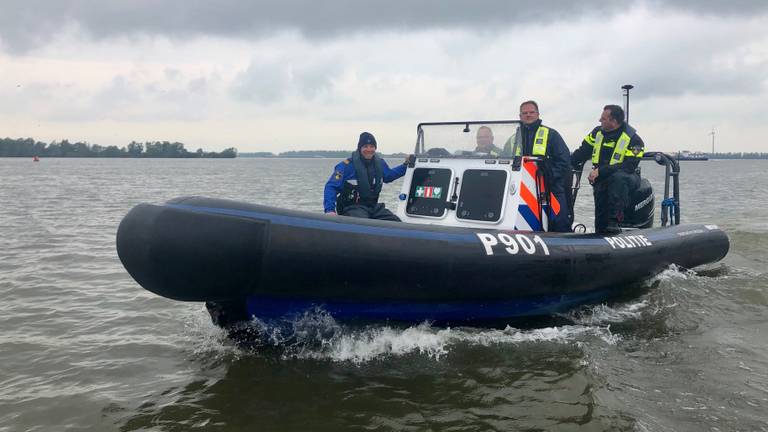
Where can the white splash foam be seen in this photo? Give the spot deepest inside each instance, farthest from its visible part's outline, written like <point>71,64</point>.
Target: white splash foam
<point>672,273</point>
<point>511,335</point>
<point>386,341</point>
<point>604,314</point>
<point>204,339</point>
<point>365,345</point>
<point>316,335</point>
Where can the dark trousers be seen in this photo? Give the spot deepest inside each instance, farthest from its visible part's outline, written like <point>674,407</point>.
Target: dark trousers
<point>560,222</point>
<point>612,197</point>
<point>378,211</point>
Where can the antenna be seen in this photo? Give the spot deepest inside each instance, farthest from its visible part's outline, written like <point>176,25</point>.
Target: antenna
<point>627,88</point>
<point>713,140</point>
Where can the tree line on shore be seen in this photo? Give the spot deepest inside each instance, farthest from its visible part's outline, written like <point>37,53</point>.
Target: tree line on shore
<point>335,154</point>
<point>340,154</point>
<point>28,147</point>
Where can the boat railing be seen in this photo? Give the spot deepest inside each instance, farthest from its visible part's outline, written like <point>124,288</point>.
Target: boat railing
<point>670,206</point>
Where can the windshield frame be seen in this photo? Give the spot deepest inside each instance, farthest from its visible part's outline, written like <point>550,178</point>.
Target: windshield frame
<point>421,151</point>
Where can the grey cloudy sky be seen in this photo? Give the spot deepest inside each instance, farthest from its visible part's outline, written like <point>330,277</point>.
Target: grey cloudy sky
<point>264,76</point>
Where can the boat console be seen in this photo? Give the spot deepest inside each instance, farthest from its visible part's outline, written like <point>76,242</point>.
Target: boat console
<point>469,174</point>
<point>466,174</point>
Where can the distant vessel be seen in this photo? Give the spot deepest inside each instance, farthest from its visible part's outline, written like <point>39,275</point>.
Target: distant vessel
<point>686,155</point>
<point>35,159</point>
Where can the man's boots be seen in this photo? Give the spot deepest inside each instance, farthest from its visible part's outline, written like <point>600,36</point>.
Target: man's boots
<point>611,228</point>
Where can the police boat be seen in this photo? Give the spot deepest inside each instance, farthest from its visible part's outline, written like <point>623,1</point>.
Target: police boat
<point>473,244</point>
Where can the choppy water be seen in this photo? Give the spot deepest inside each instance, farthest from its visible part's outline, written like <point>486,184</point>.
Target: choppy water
<point>83,347</point>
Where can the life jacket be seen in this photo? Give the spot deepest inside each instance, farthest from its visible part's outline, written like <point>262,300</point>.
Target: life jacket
<point>539,148</point>
<point>620,146</point>
<point>361,192</point>
<point>540,141</point>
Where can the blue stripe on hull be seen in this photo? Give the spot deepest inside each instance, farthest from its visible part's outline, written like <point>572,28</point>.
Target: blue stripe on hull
<point>264,307</point>
<point>530,217</point>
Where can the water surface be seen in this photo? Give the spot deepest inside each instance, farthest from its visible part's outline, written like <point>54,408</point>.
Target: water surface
<point>83,347</point>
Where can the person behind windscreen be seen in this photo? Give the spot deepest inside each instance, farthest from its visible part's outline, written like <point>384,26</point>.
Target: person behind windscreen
<point>484,139</point>
<point>354,187</point>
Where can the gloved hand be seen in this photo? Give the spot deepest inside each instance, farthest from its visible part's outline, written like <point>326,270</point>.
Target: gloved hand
<point>410,160</point>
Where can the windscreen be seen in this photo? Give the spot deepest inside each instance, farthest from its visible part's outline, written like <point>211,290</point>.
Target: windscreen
<point>472,139</point>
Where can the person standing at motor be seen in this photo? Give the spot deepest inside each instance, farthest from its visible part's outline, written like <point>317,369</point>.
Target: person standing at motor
<point>354,187</point>
<point>544,141</point>
<point>615,149</point>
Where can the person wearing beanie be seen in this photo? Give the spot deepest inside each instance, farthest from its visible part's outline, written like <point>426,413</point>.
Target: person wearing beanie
<point>354,187</point>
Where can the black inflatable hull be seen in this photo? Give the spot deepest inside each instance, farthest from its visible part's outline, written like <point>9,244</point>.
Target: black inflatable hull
<point>277,261</point>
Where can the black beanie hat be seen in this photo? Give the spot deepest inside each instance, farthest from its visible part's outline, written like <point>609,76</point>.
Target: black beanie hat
<point>366,138</point>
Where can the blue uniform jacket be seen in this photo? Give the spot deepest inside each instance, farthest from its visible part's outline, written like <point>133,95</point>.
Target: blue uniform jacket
<point>557,152</point>
<point>344,171</point>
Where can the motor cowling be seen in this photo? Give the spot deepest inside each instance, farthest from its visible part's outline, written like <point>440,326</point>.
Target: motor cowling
<point>640,212</point>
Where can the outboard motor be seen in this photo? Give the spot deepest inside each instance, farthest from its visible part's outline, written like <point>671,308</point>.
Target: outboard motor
<point>640,212</point>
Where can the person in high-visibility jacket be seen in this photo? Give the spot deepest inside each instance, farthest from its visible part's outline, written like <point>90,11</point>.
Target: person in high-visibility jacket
<point>539,140</point>
<point>615,149</point>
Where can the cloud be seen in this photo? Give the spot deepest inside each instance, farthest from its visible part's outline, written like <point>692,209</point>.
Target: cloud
<point>29,24</point>
<point>316,78</point>
<point>714,7</point>
<point>125,97</point>
<point>299,71</point>
<point>262,82</point>
<point>220,71</point>
<point>676,54</point>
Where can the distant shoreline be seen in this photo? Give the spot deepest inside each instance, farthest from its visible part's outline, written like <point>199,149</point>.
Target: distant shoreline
<point>305,155</point>
<point>241,156</point>
<point>344,156</point>
<point>29,148</point>
<point>316,154</point>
